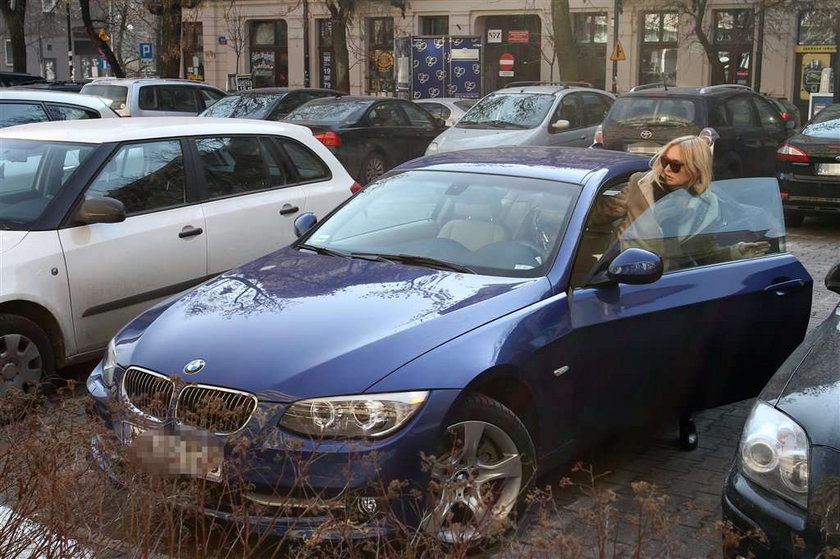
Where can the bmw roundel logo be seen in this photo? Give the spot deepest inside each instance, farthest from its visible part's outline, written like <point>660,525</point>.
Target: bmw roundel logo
<point>646,134</point>
<point>194,366</point>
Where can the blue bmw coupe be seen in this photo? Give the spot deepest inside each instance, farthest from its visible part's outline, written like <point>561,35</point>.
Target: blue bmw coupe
<point>458,325</point>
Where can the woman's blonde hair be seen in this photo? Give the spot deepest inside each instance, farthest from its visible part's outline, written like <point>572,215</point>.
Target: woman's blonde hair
<point>696,159</point>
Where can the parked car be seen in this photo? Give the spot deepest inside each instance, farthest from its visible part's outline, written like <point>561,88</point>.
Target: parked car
<point>369,135</point>
<point>787,109</point>
<point>97,222</point>
<point>448,109</point>
<point>68,86</point>
<point>785,481</point>
<point>9,79</point>
<point>266,103</point>
<point>750,127</point>
<point>536,115</point>
<point>155,96</point>
<point>459,307</point>
<point>24,106</point>
<point>808,167</point>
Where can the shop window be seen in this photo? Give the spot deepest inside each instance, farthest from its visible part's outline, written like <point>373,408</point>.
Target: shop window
<point>269,53</point>
<point>193,58</point>
<point>380,55</point>
<point>733,37</point>
<point>658,60</point>
<point>812,29</point>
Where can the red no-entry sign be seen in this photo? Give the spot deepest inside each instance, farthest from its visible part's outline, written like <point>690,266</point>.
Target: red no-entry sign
<point>506,62</point>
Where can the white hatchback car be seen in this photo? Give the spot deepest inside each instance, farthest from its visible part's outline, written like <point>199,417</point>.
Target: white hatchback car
<point>98,222</point>
<point>24,106</point>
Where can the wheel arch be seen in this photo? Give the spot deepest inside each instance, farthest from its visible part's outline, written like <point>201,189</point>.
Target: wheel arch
<point>44,319</point>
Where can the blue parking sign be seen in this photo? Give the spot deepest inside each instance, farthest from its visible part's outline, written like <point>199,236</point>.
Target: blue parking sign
<point>146,51</point>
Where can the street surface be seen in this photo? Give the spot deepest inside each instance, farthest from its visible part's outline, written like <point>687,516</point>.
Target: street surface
<point>692,481</point>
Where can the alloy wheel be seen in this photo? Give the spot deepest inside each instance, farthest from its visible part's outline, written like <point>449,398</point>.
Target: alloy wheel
<point>374,168</point>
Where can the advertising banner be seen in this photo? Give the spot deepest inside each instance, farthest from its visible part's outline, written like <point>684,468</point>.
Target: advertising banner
<point>464,67</point>
<point>445,67</point>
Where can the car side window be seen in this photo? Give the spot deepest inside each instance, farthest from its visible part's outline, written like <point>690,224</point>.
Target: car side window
<point>70,112</point>
<point>768,116</point>
<point>238,165</point>
<point>210,96</point>
<point>417,116</point>
<point>12,114</point>
<point>571,109</point>
<point>385,114</point>
<point>717,116</point>
<point>308,165</point>
<point>741,111</point>
<point>286,105</point>
<point>595,108</point>
<point>175,98</point>
<point>437,110</point>
<point>144,177</point>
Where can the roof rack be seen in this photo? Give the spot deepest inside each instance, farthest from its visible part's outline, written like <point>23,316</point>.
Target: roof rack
<point>558,84</point>
<point>651,86</point>
<point>709,88</point>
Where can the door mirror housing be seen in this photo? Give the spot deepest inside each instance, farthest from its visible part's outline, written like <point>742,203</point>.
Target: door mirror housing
<point>101,209</point>
<point>304,222</point>
<point>790,124</point>
<point>560,124</point>
<point>635,266</point>
<point>832,279</point>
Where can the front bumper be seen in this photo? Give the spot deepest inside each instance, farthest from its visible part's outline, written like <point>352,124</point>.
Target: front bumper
<point>279,483</point>
<point>788,531</point>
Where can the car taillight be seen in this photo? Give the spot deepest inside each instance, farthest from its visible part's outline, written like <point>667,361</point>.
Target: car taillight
<point>784,194</point>
<point>355,188</point>
<point>787,116</point>
<point>788,152</point>
<point>329,139</point>
<point>599,134</point>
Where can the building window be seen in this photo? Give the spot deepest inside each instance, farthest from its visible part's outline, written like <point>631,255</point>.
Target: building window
<point>659,47</point>
<point>434,25</point>
<point>269,53</point>
<point>813,29</point>
<point>380,55</point>
<point>8,53</point>
<point>48,69</point>
<point>47,6</point>
<point>326,54</point>
<point>591,28</point>
<point>733,37</point>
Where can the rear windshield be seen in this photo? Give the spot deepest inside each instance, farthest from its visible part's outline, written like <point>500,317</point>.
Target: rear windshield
<point>329,111</point>
<point>508,110</point>
<point>669,112</point>
<point>826,124</point>
<point>31,175</point>
<point>243,106</point>
<point>116,93</point>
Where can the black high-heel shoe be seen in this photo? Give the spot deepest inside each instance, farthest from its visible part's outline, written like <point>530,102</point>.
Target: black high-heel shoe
<point>688,434</point>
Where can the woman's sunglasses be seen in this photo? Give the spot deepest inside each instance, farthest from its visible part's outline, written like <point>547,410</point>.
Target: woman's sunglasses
<point>676,166</point>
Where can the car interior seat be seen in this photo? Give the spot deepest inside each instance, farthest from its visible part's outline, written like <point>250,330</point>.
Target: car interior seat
<point>476,225</point>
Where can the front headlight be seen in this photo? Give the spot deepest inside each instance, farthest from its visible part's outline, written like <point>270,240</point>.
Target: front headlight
<point>109,364</point>
<point>363,416</point>
<point>774,453</point>
<point>432,149</point>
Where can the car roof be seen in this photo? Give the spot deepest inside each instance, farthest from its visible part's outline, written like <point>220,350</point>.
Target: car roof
<point>713,90</point>
<point>548,89</point>
<point>281,90</point>
<point>553,163</point>
<point>356,99</point>
<point>96,131</point>
<point>15,94</point>
<point>444,100</point>
<point>129,81</point>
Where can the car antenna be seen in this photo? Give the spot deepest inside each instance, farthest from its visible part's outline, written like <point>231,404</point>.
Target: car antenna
<point>664,82</point>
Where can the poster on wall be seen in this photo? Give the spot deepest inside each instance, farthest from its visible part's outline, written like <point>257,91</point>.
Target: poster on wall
<point>465,68</point>
<point>445,67</point>
<point>429,67</point>
<point>812,67</point>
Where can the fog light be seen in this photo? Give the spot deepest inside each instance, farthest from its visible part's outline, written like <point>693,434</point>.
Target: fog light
<point>367,505</point>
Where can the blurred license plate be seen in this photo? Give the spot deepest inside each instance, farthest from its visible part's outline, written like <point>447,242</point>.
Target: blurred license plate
<point>647,149</point>
<point>828,169</point>
<point>187,452</point>
<point>130,431</point>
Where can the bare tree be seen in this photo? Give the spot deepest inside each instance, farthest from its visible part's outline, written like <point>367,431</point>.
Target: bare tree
<point>235,30</point>
<point>341,16</point>
<point>564,41</point>
<point>99,40</point>
<point>14,14</point>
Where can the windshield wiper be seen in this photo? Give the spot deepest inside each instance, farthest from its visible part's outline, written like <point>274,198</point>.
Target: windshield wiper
<point>505,124</point>
<point>324,250</point>
<point>425,261</point>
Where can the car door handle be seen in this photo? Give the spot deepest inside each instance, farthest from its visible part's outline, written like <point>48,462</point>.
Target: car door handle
<point>288,209</point>
<point>785,287</point>
<point>190,231</point>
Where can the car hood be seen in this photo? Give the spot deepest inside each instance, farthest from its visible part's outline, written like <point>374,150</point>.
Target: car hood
<point>812,393</point>
<point>470,138</point>
<point>295,324</point>
<point>11,239</point>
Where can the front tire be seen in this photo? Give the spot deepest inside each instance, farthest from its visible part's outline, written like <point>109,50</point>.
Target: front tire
<point>26,355</point>
<point>480,474</point>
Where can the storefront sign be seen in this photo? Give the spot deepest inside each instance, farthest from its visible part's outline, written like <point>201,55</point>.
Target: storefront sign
<point>222,40</point>
<point>465,54</point>
<point>816,48</point>
<point>518,36</point>
<point>326,69</point>
<point>494,35</point>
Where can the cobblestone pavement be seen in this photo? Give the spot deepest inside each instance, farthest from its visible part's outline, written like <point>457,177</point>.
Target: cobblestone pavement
<point>691,480</point>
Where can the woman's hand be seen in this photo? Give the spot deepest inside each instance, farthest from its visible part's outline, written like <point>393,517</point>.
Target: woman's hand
<point>751,250</point>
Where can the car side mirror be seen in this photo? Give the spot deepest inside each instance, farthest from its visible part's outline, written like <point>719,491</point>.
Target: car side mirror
<point>560,124</point>
<point>832,279</point>
<point>101,209</point>
<point>635,266</point>
<point>440,123</point>
<point>304,222</point>
<point>790,124</point>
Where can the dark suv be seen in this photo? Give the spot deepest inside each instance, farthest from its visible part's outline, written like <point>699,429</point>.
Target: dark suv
<point>750,128</point>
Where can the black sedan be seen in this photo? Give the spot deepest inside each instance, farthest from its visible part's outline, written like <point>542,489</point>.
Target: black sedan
<point>808,168</point>
<point>369,135</point>
<point>784,488</point>
<point>266,103</point>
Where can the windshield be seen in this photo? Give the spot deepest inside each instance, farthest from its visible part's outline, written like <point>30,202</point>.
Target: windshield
<point>31,174</point>
<point>116,93</point>
<point>504,226</point>
<point>329,111</point>
<point>826,124</point>
<point>669,112</point>
<point>243,106</point>
<point>508,110</point>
